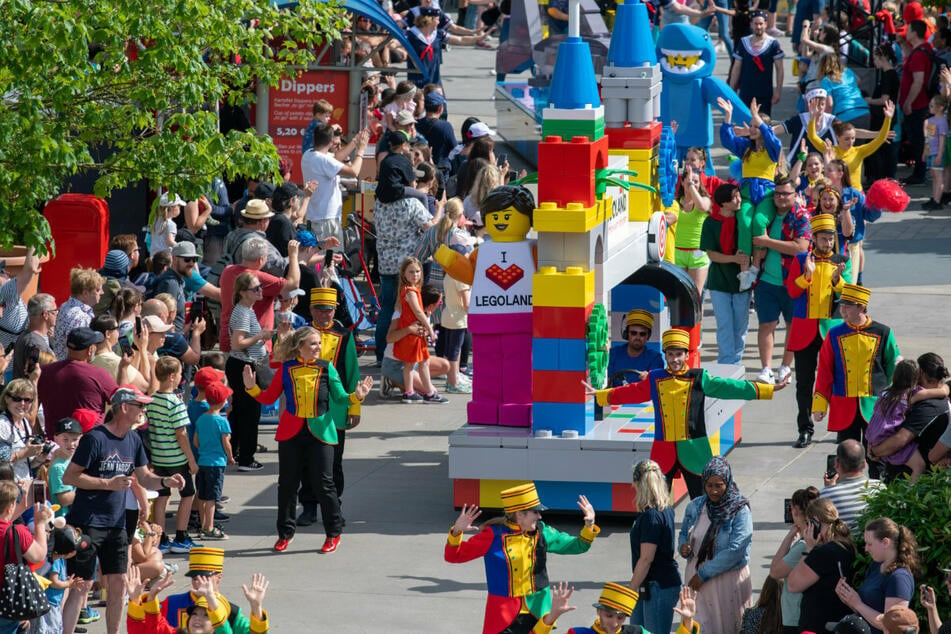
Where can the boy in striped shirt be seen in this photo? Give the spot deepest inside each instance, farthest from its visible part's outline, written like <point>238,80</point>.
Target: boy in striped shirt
<point>171,451</point>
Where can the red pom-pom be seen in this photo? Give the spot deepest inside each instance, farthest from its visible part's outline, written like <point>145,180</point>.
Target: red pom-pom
<point>887,195</point>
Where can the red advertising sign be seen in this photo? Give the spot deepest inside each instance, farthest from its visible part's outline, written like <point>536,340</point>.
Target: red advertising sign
<point>290,109</point>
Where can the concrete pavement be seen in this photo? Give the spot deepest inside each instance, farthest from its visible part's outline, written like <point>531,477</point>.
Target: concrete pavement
<point>389,573</point>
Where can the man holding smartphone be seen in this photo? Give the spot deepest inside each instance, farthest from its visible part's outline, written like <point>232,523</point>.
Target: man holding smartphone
<point>41,311</point>
<point>846,487</point>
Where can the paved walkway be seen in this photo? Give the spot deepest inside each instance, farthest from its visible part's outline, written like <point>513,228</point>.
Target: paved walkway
<point>389,573</point>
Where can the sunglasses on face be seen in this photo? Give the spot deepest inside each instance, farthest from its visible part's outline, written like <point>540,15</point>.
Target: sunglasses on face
<point>21,399</point>
<point>638,333</point>
<point>255,289</point>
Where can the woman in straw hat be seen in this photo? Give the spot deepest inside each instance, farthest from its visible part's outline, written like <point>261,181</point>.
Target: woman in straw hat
<point>515,549</point>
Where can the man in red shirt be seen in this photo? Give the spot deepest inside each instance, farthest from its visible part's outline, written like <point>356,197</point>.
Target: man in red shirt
<point>913,94</point>
<point>253,255</point>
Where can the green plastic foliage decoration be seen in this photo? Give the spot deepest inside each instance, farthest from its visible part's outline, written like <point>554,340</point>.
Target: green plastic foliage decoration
<point>140,79</point>
<point>925,508</point>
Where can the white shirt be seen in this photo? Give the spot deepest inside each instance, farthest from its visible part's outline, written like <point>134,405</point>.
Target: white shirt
<point>327,202</point>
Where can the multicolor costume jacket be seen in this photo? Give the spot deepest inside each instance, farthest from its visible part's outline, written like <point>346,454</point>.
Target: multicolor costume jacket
<point>855,366</point>
<point>310,390</point>
<point>624,629</point>
<point>515,566</point>
<point>148,617</point>
<point>813,299</point>
<point>338,347</point>
<point>680,432</point>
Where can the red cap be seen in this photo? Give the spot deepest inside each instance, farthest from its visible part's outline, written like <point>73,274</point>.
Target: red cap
<point>206,376</point>
<point>87,418</point>
<point>217,393</point>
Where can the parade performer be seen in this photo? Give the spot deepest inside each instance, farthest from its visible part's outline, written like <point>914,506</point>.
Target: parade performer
<point>759,62</point>
<point>306,433</point>
<point>500,273</point>
<point>614,606</point>
<point>515,550</point>
<point>678,393</point>
<point>631,362</point>
<point>813,280</point>
<point>338,348</point>
<point>856,363</point>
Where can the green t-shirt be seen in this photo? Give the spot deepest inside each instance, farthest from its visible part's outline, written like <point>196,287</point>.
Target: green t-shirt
<point>55,477</point>
<point>773,265</point>
<point>722,277</point>
<point>166,413</point>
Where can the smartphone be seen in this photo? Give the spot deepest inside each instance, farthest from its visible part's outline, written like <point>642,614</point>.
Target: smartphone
<point>138,326</point>
<point>197,309</point>
<point>39,492</point>
<point>503,158</point>
<point>787,511</point>
<point>32,358</point>
<point>841,574</point>
<point>816,528</point>
<point>126,347</point>
<point>838,258</point>
<point>830,466</point>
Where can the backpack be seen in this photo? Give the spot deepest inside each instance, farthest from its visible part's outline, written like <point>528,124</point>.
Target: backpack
<point>228,257</point>
<point>933,84</point>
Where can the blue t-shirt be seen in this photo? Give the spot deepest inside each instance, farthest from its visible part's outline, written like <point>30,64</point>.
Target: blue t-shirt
<point>54,596</point>
<point>209,429</point>
<point>847,100</point>
<point>194,282</point>
<point>102,454</point>
<point>900,584</point>
<point>195,409</point>
<point>618,360</point>
<point>656,527</point>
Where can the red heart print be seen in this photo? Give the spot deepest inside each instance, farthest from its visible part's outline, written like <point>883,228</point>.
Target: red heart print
<point>504,278</point>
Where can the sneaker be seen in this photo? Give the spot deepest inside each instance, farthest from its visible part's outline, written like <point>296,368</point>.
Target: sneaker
<point>932,205</point>
<point>282,543</point>
<point>435,397</point>
<point>221,517</point>
<point>747,278</point>
<point>774,32</point>
<point>330,544</point>
<point>254,466</point>
<point>88,615</point>
<point>412,398</point>
<point>784,372</point>
<point>170,568</point>
<point>766,376</point>
<point>183,547</point>
<point>224,499</point>
<point>946,198</point>
<point>163,547</point>
<point>80,630</point>
<point>459,388</point>
<point>386,387</point>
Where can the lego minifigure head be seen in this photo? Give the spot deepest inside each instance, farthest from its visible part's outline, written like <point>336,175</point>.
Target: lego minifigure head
<point>507,213</point>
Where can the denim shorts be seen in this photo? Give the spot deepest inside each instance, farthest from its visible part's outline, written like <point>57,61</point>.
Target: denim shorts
<point>771,302</point>
<point>210,481</point>
<point>393,370</point>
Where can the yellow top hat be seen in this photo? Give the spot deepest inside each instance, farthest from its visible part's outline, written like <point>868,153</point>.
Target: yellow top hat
<point>326,297</point>
<point>823,222</point>
<point>638,317</point>
<point>855,294</point>
<point>524,497</point>
<point>676,338</point>
<point>616,597</point>
<point>205,561</point>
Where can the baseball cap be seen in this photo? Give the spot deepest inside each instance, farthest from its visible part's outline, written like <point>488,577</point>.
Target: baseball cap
<point>185,249</point>
<point>87,418</point>
<point>899,619</point>
<point>404,117</point>
<point>479,129</point>
<point>128,394</point>
<point>206,376</point>
<point>170,200</point>
<point>852,624</point>
<point>82,338</point>
<point>434,99</point>
<point>294,293</point>
<point>68,425</point>
<point>218,393</point>
<point>263,191</point>
<point>306,238</point>
<point>155,323</point>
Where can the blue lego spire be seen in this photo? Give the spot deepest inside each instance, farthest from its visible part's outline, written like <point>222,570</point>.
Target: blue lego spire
<point>573,84</point>
<point>632,45</point>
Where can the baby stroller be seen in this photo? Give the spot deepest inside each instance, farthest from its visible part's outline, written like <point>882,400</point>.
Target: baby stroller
<point>353,311</point>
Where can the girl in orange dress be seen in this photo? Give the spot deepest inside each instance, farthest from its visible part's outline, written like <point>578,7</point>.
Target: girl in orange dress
<point>413,350</point>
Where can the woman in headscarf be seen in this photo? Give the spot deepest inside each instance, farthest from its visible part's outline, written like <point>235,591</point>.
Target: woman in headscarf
<point>715,539</point>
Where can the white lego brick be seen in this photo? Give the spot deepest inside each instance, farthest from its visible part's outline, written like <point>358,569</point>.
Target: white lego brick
<point>555,443</point>
<point>485,435</point>
<point>649,72</point>
<point>484,462</point>
<point>580,114</point>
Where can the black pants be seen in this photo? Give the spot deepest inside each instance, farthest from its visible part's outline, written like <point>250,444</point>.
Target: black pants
<point>303,449</point>
<point>807,360</point>
<point>914,127</point>
<point>856,431</point>
<point>692,480</point>
<point>244,415</point>
<point>523,624</point>
<point>308,498</point>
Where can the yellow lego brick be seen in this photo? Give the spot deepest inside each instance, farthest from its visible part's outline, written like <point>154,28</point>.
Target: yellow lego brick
<point>715,443</point>
<point>574,218</point>
<point>572,289</point>
<point>490,492</point>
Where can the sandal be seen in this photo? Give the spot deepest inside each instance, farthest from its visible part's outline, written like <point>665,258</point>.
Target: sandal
<point>214,533</point>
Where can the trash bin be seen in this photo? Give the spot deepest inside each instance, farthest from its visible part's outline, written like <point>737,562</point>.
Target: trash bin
<point>80,227</point>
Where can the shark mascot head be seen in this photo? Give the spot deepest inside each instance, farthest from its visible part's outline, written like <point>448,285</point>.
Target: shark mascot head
<point>685,53</point>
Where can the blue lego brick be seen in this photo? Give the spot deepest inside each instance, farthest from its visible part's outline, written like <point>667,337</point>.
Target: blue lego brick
<point>558,354</point>
<point>626,297</point>
<point>728,435</point>
<point>563,496</point>
<point>559,417</point>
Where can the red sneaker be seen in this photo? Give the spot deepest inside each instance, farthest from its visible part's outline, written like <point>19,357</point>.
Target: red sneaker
<point>282,544</point>
<point>330,544</point>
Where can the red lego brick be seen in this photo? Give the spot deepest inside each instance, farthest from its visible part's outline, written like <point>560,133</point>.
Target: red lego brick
<point>634,138</point>
<point>566,170</point>
<point>558,386</point>
<point>465,491</point>
<point>560,323</point>
<point>622,497</point>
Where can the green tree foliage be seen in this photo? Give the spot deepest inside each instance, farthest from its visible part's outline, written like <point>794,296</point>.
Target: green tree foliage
<point>140,79</point>
<point>925,508</point>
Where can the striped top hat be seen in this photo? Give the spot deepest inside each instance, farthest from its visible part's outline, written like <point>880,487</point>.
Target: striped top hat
<point>524,497</point>
<point>676,338</point>
<point>323,297</point>
<point>618,598</point>
<point>823,222</point>
<point>638,317</point>
<point>205,561</point>
<point>854,294</point>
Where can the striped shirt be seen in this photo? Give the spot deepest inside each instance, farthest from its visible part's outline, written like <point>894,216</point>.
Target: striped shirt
<point>166,413</point>
<point>243,319</point>
<point>848,497</point>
